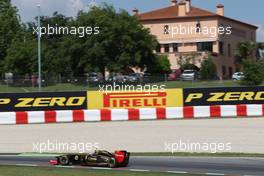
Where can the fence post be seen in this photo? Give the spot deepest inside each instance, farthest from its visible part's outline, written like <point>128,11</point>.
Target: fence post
<point>59,79</point>
<point>166,78</point>
<point>7,87</point>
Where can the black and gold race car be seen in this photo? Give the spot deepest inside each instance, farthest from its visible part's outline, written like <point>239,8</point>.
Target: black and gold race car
<point>100,158</point>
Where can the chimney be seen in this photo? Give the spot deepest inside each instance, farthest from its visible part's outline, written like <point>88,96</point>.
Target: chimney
<point>135,11</point>
<point>182,8</point>
<point>188,6</point>
<point>220,9</point>
<point>173,2</point>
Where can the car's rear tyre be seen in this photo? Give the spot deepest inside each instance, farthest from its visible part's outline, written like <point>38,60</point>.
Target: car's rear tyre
<point>111,163</point>
<point>64,160</point>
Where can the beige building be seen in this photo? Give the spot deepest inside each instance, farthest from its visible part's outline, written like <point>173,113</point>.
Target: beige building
<point>184,31</point>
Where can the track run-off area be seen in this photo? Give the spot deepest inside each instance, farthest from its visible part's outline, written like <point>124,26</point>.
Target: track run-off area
<point>244,135</point>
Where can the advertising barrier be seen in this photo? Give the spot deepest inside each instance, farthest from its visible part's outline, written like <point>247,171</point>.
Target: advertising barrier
<point>41,101</point>
<point>82,100</point>
<point>116,100</point>
<point>223,96</point>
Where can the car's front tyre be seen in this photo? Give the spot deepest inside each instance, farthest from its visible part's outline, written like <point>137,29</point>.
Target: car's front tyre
<point>111,163</point>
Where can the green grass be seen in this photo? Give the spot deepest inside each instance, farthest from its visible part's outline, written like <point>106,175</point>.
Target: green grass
<point>52,171</point>
<point>53,88</point>
<point>190,84</point>
<point>74,87</point>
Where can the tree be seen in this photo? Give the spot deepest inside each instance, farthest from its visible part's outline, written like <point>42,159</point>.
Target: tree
<point>9,28</point>
<point>208,69</point>
<point>122,41</point>
<point>260,45</point>
<point>253,72</point>
<point>260,48</point>
<point>245,50</point>
<point>21,58</point>
<point>52,47</point>
<point>161,65</point>
<point>188,62</point>
<point>252,67</point>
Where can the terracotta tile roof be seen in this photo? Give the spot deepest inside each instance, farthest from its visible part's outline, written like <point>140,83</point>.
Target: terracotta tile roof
<point>172,13</point>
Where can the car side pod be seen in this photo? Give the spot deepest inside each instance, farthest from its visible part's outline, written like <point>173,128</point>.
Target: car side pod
<point>53,162</point>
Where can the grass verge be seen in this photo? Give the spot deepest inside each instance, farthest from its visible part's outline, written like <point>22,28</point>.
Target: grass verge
<point>53,171</point>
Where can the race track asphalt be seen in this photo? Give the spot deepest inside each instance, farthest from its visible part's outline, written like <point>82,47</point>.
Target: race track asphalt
<point>202,165</point>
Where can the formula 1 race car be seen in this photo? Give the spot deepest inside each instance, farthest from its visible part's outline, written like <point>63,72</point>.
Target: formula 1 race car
<point>99,158</point>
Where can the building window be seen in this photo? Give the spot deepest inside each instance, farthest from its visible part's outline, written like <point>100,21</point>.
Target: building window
<point>230,72</point>
<point>166,29</point>
<point>175,47</point>
<point>205,46</point>
<point>166,48</point>
<point>229,50</point>
<point>158,48</point>
<point>221,47</point>
<point>198,27</point>
<point>224,70</point>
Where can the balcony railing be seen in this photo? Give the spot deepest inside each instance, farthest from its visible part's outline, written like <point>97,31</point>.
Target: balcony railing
<point>196,53</point>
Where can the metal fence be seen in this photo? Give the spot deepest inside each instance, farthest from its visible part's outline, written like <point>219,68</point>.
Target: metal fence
<point>93,82</point>
<point>30,83</point>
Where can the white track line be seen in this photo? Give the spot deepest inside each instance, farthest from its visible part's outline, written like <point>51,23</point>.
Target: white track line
<point>214,174</point>
<point>139,170</point>
<point>177,172</point>
<point>27,165</point>
<point>25,89</point>
<point>101,168</point>
<point>65,166</point>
